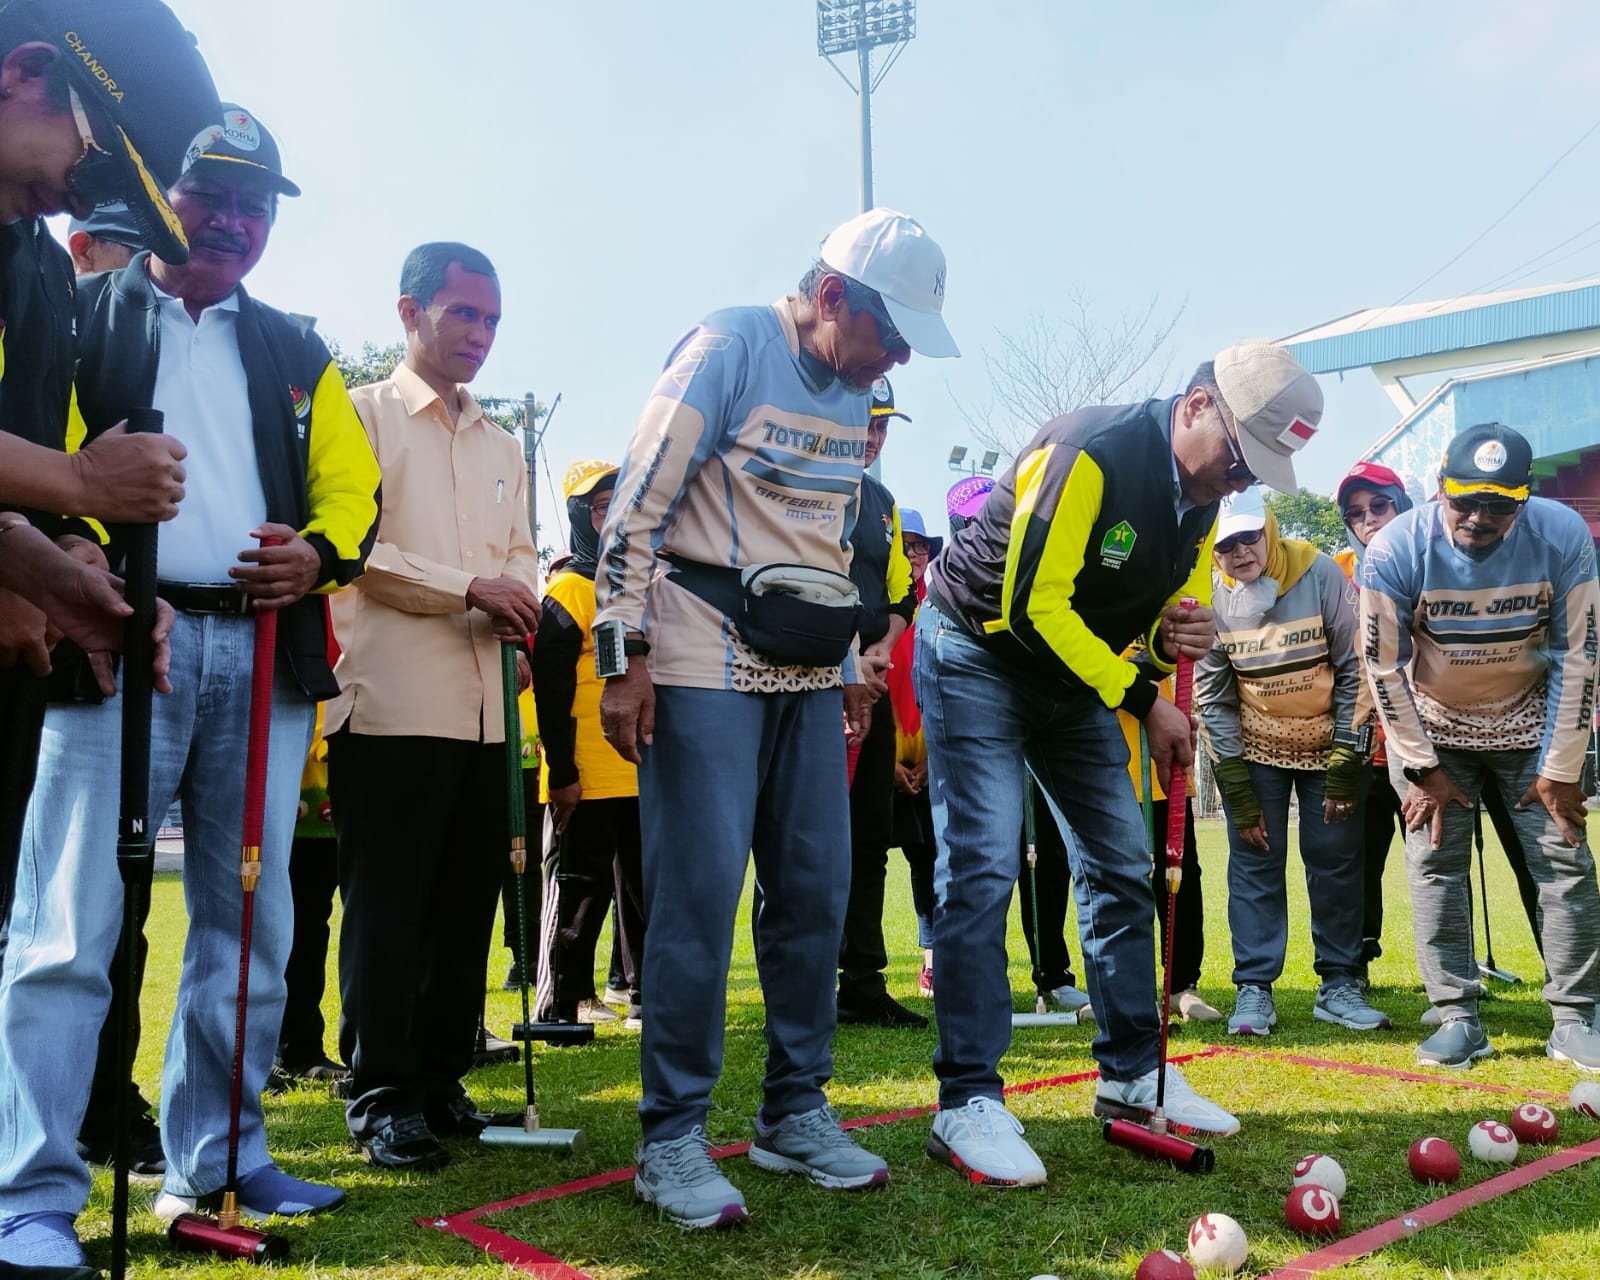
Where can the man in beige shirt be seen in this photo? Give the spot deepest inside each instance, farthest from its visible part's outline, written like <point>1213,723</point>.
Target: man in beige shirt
<point>415,775</point>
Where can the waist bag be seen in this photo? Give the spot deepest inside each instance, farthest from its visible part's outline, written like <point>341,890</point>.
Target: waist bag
<point>791,614</point>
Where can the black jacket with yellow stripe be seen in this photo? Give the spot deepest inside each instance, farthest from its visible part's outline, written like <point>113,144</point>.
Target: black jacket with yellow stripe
<point>1078,549</point>
<point>317,466</point>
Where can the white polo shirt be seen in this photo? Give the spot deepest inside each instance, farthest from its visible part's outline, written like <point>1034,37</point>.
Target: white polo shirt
<point>202,390</point>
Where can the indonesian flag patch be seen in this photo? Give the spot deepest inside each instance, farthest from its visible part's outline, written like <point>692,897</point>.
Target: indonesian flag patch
<point>1296,434</point>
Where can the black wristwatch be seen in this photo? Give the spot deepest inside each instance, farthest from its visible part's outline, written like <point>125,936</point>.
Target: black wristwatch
<point>1420,775</point>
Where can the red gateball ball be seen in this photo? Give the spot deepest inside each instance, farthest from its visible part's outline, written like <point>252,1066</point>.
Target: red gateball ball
<point>1313,1211</point>
<point>1535,1123</point>
<point>1163,1264</point>
<point>1434,1160</point>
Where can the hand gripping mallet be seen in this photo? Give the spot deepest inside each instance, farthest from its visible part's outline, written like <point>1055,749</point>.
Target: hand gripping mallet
<point>224,1235</point>
<point>1154,1141</point>
<point>136,846</point>
<point>522,1130</point>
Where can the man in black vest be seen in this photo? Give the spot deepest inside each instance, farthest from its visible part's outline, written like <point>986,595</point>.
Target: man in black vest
<point>1090,541</point>
<point>882,574</point>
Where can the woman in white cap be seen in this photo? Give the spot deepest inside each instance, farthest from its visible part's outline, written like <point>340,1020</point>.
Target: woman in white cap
<point>1278,696</point>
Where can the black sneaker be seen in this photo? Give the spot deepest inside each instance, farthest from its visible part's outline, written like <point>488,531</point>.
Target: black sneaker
<point>147,1158</point>
<point>881,1010</point>
<point>513,980</point>
<point>403,1142</point>
<point>458,1118</point>
<point>318,1070</point>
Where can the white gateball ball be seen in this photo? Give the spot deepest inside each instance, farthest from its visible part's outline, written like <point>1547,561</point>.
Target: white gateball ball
<point>1492,1142</point>
<point>1585,1098</point>
<point>1318,1170</point>
<point>1217,1244</point>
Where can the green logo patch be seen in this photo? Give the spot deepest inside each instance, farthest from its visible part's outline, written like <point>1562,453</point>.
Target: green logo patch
<point>1118,542</point>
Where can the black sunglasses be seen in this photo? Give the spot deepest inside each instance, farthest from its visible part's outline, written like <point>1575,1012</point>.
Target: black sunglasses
<point>1498,507</point>
<point>1377,505</point>
<point>1248,538</point>
<point>1237,469</point>
<point>860,298</point>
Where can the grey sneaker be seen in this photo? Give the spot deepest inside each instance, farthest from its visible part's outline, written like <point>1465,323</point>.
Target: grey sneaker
<point>1577,1043</point>
<point>1458,1043</point>
<point>1186,1110</point>
<point>1254,1014</point>
<point>982,1141</point>
<point>679,1178</point>
<point>812,1143</point>
<point>1432,1016</point>
<point>1067,997</point>
<point>1347,1006</point>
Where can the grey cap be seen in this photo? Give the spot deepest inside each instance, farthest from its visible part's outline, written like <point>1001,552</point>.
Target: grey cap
<point>1276,403</point>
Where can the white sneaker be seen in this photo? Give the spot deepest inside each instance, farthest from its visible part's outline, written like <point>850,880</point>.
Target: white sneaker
<point>1186,1110</point>
<point>982,1141</point>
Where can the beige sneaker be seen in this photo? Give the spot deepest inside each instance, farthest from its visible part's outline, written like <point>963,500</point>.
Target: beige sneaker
<point>594,1011</point>
<point>1189,1005</point>
<point>1086,1014</point>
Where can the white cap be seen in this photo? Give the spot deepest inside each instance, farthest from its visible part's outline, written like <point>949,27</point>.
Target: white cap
<point>1241,512</point>
<point>1277,404</point>
<point>893,256</point>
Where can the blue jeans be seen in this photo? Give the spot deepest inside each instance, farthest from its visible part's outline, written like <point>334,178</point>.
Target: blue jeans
<point>984,719</point>
<point>727,774</point>
<point>54,985</point>
<point>1258,905</point>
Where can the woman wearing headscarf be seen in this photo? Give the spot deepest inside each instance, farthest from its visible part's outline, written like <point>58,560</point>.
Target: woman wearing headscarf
<point>591,793</point>
<point>1278,696</point>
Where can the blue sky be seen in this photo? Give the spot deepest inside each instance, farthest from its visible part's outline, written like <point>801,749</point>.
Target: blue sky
<point>631,166</point>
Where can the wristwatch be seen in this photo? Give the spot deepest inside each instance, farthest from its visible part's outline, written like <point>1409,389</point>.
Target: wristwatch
<point>613,647</point>
<point>1416,775</point>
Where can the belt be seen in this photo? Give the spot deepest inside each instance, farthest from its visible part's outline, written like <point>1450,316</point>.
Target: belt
<point>196,597</point>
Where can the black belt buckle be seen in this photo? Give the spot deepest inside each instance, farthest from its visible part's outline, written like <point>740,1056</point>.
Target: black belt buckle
<point>193,597</point>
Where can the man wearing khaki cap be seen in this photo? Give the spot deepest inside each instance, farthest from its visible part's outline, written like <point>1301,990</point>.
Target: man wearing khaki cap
<point>1088,543</point>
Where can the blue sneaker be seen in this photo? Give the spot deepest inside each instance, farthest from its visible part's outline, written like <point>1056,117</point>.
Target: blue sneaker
<point>264,1193</point>
<point>812,1143</point>
<point>31,1240</point>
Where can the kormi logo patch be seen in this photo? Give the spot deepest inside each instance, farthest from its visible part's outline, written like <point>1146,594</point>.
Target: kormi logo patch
<point>1117,545</point>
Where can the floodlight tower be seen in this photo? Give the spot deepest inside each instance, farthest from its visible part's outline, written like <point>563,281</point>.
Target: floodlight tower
<point>862,26</point>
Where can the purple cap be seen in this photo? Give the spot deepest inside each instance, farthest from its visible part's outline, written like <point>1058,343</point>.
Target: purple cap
<point>965,498</point>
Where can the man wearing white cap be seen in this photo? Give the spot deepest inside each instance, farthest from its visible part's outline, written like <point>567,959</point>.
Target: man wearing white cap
<point>1091,541</point>
<point>726,631</point>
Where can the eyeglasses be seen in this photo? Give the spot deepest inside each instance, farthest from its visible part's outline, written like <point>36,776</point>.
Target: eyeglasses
<point>917,547</point>
<point>1248,538</point>
<point>1497,508</point>
<point>1237,470</point>
<point>860,298</point>
<point>1378,506</point>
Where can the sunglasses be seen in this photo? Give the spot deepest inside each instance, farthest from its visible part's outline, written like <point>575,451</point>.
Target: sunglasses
<point>1496,507</point>
<point>916,547</point>
<point>860,298</point>
<point>1378,506</point>
<point>1237,470</point>
<point>1248,538</point>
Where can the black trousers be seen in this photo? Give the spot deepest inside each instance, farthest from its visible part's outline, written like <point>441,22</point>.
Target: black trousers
<point>22,696</point>
<point>1046,892</point>
<point>422,843</point>
<point>1189,919</point>
<point>313,880</point>
<point>595,859</point>
<point>862,957</point>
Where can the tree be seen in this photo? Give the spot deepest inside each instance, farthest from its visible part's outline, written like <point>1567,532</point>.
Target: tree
<point>374,364</point>
<point>1053,366</point>
<point>1310,517</point>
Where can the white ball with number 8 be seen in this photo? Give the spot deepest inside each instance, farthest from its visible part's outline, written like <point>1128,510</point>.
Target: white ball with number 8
<point>1318,1170</point>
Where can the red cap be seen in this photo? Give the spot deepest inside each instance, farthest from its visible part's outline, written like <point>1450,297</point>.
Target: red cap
<point>1369,475</point>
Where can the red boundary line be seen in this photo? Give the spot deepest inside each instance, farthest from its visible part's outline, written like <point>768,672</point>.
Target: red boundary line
<point>534,1261</point>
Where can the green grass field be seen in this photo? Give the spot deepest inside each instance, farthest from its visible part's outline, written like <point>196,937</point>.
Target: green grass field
<point>1101,1210</point>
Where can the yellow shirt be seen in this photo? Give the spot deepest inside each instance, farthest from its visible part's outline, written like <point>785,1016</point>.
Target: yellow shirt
<point>415,661</point>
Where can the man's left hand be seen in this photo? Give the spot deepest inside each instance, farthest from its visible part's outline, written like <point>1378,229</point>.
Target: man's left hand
<point>1188,633</point>
<point>857,713</point>
<point>874,667</point>
<point>1563,801</point>
<point>275,577</point>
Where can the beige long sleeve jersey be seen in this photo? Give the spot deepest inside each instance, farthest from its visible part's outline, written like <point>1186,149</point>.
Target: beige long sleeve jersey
<point>1488,651</point>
